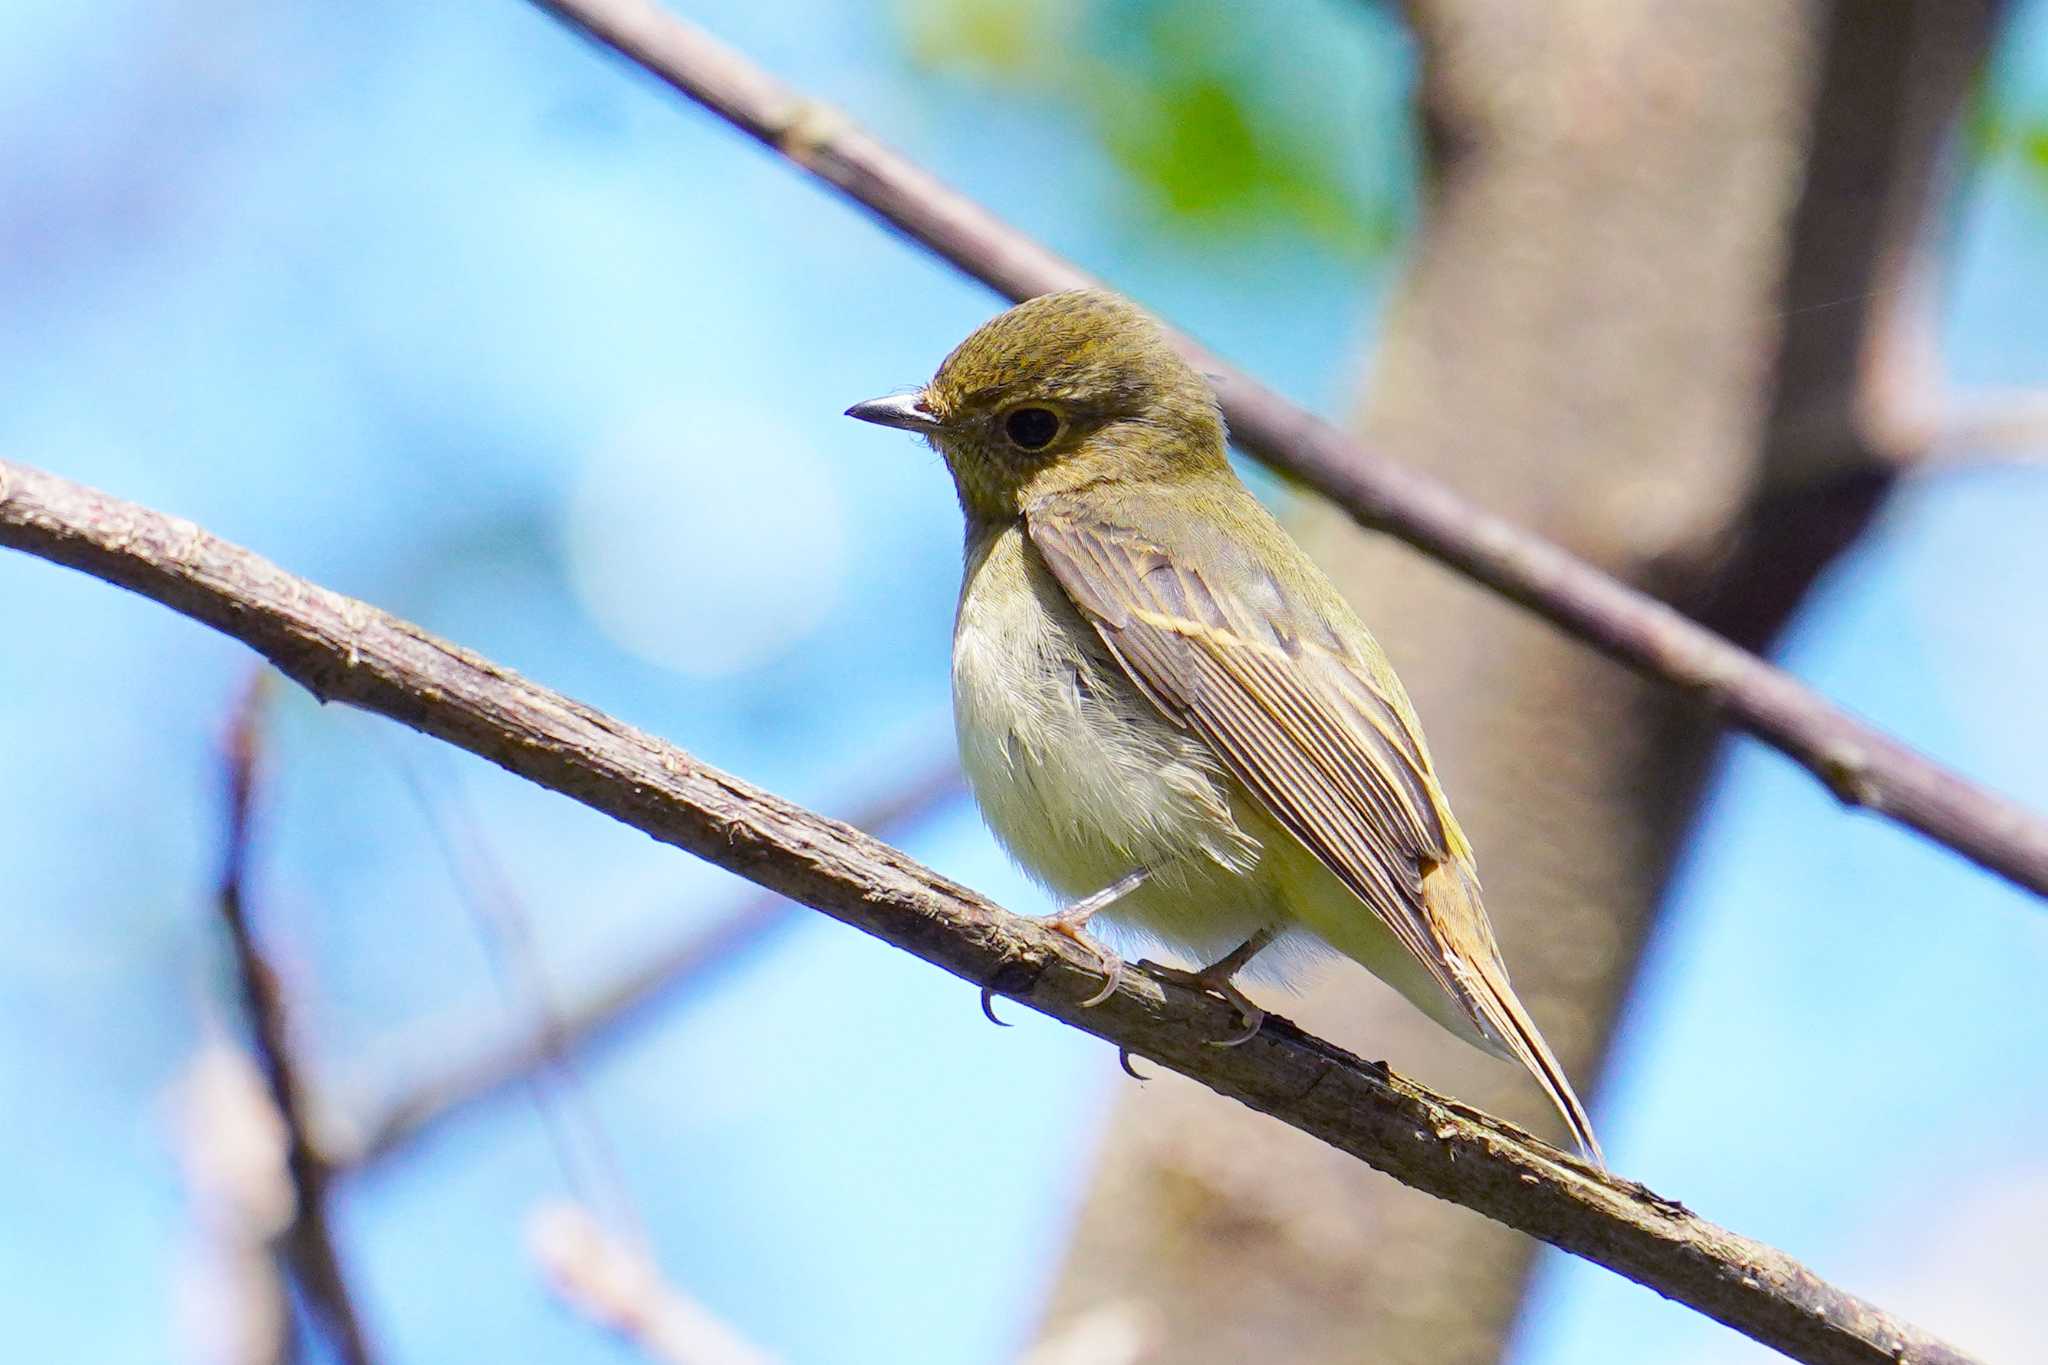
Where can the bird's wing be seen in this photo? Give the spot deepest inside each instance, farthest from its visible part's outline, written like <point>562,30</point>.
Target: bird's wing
<point>1269,683</point>
<point>1295,699</point>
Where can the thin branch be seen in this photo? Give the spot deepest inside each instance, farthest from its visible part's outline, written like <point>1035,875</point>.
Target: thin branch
<point>308,1240</point>
<point>1978,428</point>
<point>344,650</point>
<point>612,1008</point>
<point>233,1149</point>
<point>596,1252</point>
<point>1123,1331</point>
<point>1860,764</point>
<point>583,1150</point>
<point>619,1288</point>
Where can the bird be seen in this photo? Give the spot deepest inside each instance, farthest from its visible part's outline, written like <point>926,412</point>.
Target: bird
<point>1167,713</point>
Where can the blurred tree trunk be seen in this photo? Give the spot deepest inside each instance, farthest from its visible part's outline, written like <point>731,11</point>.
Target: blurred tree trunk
<point>1662,248</point>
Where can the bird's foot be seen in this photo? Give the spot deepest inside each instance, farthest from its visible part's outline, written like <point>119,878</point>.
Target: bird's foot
<point>1068,925</point>
<point>1069,922</point>
<point>1215,979</point>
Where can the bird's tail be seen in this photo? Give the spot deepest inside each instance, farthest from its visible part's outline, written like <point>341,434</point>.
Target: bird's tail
<point>1452,901</point>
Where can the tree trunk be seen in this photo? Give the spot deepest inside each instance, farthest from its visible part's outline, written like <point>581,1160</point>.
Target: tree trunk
<point>1662,246</point>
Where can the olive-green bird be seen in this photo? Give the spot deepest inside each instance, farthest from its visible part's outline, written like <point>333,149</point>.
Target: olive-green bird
<point>1166,711</point>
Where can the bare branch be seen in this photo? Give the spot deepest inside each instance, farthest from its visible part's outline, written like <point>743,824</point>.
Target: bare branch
<point>1123,1331</point>
<point>1860,764</point>
<point>1977,428</point>
<point>595,1252</point>
<point>621,1290</point>
<point>345,650</point>
<point>583,1150</point>
<point>307,1242</point>
<point>232,1148</point>
<point>614,1007</point>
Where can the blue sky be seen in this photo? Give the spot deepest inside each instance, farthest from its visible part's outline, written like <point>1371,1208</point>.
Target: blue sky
<point>415,300</point>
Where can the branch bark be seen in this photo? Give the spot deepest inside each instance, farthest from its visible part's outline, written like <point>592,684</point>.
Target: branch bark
<point>342,649</point>
<point>1860,764</point>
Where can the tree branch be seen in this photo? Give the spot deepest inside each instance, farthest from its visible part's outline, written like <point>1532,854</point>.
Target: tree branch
<point>1975,428</point>
<point>232,1148</point>
<point>307,1241</point>
<point>1860,764</point>
<point>344,650</point>
<point>619,1287</point>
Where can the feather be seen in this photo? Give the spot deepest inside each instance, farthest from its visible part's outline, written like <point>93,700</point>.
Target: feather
<point>1299,706</point>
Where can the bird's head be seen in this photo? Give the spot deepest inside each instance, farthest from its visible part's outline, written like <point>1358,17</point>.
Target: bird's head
<point>1062,390</point>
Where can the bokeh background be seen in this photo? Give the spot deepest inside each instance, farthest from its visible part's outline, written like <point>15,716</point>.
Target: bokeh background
<point>439,306</point>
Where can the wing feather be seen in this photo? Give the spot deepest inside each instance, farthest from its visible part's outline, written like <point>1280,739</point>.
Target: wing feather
<point>1304,728</point>
<point>1307,718</point>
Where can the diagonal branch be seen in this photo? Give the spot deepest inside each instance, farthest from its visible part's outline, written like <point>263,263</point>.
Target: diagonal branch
<point>1860,764</point>
<point>345,650</point>
<point>306,1243</point>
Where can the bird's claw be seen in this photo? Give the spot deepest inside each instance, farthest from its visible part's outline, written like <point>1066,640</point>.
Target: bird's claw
<point>988,1007</point>
<point>1111,965</point>
<point>1254,1020</point>
<point>1112,977</point>
<point>1123,1059</point>
<point>1254,1017</point>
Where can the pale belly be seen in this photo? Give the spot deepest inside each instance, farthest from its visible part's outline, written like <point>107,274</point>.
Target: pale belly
<point>1083,781</point>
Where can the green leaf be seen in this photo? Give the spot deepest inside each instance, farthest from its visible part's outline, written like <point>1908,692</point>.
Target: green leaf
<point>1225,120</point>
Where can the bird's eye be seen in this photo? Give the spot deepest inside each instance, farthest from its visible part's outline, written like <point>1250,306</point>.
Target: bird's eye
<point>1031,428</point>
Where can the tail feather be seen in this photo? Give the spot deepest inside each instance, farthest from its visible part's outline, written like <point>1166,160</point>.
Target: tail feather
<point>1451,898</point>
<point>1535,1054</point>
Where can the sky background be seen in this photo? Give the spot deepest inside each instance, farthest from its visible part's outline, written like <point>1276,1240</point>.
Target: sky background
<point>441,308</point>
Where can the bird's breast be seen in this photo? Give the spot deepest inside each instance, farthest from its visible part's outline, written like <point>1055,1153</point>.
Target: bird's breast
<point>1078,775</point>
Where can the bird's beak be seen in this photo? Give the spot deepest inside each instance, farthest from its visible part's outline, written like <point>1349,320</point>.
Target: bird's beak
<point>904,411</point>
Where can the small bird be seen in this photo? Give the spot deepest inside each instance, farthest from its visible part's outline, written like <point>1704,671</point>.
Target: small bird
<point>1168,714</point>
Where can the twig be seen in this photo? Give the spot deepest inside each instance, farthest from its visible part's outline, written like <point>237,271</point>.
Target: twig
<point>1120,1332</point>
<point>1977,428</point>
<point>308,1240</point>
<point>595,1252</point>
<point>1861,765</point>
<point>232,1147</point>
<point>583,1150</point>
<point>345,650</point>
<point>613,1007</point>
<point>621,1290</point>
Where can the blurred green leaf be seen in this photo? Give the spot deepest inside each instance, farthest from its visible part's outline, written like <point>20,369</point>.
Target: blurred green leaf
<point>1012,43</point>
<point>1224,119</point>
<point>1997,130</point>
<point>2033,145</point>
